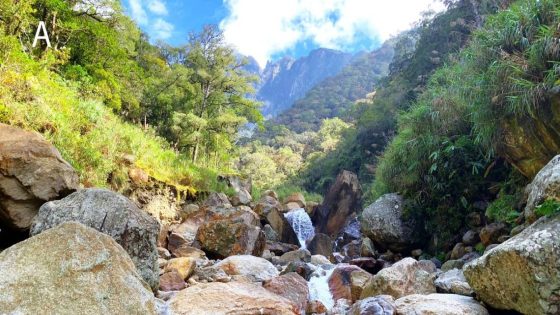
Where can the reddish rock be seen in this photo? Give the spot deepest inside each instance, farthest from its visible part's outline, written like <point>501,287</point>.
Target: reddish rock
<point>171,281</point>
<point>492,232</point>
<point>296,198</point>
<point>290,286</point>
<point>316,307</point>
<point>348,281</point>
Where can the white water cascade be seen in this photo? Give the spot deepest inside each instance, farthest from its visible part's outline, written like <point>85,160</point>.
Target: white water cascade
<point>319,287</point>
<point>302,225</point>
<point>319,282</point>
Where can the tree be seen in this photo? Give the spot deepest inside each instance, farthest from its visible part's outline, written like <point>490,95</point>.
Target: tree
<point>221,88</point>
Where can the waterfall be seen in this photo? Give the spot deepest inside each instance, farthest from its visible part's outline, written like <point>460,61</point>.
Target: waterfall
<point>319,287</point>
<point>301,223</point>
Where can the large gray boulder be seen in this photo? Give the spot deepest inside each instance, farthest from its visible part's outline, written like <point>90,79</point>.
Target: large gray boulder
<point>440,304</point>
<point>405,277</point>
<point>71,269</point>
<point>383,223</point>
<point>523,273</point>
<point>114,215</point>
<point>32,172</point>
<point>545,185</point>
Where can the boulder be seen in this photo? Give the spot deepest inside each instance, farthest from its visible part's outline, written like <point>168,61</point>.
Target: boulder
<point>492,232</point>
<point>171,281</point>
<point>452,264</point>
<point>321,244</point>
<point>347,282</point>
<point>270,193</point>
<point>316,307</point>
<point>453,281</point>
<point>458,251</point>
<point>471,238</point>
<point>439,304</point>
<point>241,189</point>
<point>223,238</point>
<point>319,260</point>
<point>341,201</point>
<point>300,255</point>
<point>375,305</point>
<point>32,172</point>
<point>545,185</point>
<point>255,268</point>
<point>367,248</point>
<point>71,269</point>
<point>281,225</point>
<point>112,214</point>
<point>522,273</point>
<point>383,223</point>
<point>280,249</point>
<point>303,269</point>
<point>217,200</point>
<point>403,278</point>
<point>290,286</point>
<point>183,265</point>
<point>296,198</point>
<point>188,210</point>
<point>265,205</point>
<point>184,234</point>
<point>229,298</point>
<point>270,234</point>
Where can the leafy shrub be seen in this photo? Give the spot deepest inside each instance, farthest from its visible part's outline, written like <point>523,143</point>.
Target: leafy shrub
<point>547,208</point>
<point>503,209</point>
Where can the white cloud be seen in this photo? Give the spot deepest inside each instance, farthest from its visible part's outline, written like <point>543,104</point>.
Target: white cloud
<point>261,28</point>
<point>157,7</point>
<point>147,13</point>
<point>137,11</point>
<point>161,29</point>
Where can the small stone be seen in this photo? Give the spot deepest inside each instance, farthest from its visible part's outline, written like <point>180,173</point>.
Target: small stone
<point>416,253</point>
<point>171,281</point>
<point>184,266</point>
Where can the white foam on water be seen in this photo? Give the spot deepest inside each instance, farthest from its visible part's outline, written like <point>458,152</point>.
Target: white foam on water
<point>302,225</point>
<point>319,287</point>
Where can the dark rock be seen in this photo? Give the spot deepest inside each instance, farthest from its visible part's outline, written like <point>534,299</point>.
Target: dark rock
<point>367,249</point>
<point>342,200</point>
<point>223,238</point>
<point>471,237</point>
<point>301,268</point>
<point>369,264</point>
<point>490,233</point>
<point>280,249</point>
<point>321,244</point>
<point>111,214</point>
<point>458,251</point>
<point>382,222</point>
<point>281,225</point>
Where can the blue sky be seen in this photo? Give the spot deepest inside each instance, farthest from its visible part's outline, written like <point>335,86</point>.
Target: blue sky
<point>270,29</point>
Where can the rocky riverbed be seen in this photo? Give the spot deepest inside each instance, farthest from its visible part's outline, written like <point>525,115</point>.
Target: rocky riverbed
<point>94,251</point>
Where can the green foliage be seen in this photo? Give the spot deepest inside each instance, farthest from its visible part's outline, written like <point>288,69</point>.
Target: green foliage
<point>480,248</point>
<point>503,209</point>
<point>548,208</point>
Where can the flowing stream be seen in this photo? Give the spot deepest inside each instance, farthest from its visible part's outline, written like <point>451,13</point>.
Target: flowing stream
<point>301,223</point>
<point>319,282</point>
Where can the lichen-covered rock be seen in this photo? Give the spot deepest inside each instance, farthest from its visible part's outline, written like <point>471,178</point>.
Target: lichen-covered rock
<point>405,277</point>
<point>229,298</point>
<point>32,172</point>
<point>290,286</point>
<point>255,268</point>
<point>223,238</point>
<point>71,269</point>
<point>545,185</point>
<point>522,273</point>
<point>382,222</point>
<point>375,305</point>
<point>439,304</point>
<point>112,214</point>
<point>183,265</point>
<point>453,281</point>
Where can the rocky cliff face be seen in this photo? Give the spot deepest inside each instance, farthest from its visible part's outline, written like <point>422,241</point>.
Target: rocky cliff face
<point>287,80</point>
<point>530,142</point>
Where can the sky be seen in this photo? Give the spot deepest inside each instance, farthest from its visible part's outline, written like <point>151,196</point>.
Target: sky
<point>270,29</point>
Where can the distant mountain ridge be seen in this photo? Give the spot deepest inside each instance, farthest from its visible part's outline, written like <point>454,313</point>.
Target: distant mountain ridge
<point>289,79</point>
